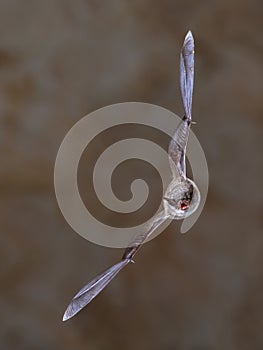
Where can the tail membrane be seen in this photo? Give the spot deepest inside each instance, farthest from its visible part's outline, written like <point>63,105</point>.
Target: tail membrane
<point>92,289</point>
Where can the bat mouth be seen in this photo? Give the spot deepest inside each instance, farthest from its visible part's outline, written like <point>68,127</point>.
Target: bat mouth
<point>184,205</point>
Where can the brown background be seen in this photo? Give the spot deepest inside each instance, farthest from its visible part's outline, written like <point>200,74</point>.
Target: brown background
<point>59,60</point>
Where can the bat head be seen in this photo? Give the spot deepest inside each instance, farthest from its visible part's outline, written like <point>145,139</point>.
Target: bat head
<point>181,199</point>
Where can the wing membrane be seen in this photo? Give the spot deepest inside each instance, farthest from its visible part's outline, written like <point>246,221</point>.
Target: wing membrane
<point>92,289</point>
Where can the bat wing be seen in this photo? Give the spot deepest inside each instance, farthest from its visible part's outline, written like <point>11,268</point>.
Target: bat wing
<point>177,147</point>
<point>92,289</point>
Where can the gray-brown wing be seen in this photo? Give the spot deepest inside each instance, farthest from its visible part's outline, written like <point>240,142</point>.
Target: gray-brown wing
<point>92,289</point>
<point>97,284</point>
<point>156,222</point>
<point>187,73</point>
<point>177,147</point>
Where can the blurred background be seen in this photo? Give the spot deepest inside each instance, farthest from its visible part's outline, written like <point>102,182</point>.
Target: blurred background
<point>60,60</point>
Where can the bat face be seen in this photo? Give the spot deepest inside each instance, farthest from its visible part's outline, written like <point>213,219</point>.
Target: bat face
<point>181,199</point>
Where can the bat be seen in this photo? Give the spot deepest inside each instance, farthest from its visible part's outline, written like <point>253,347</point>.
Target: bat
<point>180,199</point>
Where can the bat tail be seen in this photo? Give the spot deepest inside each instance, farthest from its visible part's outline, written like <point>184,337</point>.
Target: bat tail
<point>92,289</point>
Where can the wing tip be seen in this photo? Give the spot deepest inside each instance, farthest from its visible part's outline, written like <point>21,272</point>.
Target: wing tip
<point>66,316</point>
<point>68,313</point>
<point>189,36</point>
